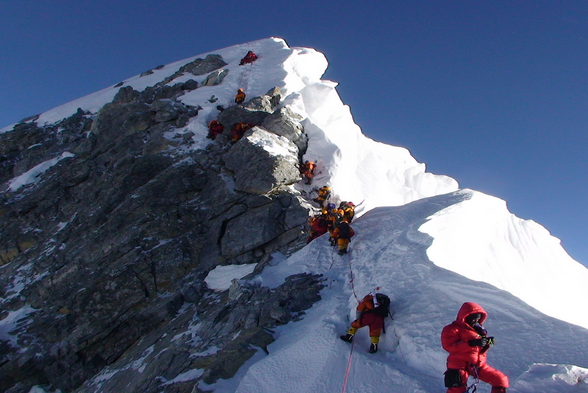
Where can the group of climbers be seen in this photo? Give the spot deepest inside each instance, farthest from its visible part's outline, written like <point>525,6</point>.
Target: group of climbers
<point>334,220</point>
<point>215,128</point>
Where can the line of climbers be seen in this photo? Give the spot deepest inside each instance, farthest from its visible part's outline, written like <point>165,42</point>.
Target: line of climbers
<point>215,128</point>
<point>334,220</point>
<point>465,339</point>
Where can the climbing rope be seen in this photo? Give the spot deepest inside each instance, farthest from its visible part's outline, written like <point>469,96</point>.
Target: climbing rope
<point>351,281</point>
<point>332,259</point>
<point>348,369</point>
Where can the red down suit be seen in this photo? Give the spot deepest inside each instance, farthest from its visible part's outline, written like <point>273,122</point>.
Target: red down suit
<point>464,357</point>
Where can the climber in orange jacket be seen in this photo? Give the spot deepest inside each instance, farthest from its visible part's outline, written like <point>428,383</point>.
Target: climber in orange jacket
<point>240,97</point>
<point>371,312</point>
<point>323,194</point>
<point>467,342</point>
<point>307,171</point>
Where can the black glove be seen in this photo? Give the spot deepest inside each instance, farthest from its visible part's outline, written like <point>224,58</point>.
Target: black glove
<point>480,342</point>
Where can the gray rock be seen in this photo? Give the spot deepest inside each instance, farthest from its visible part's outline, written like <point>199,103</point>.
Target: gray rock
<point>239,113</point>
<point>106,254</point>
<point>285,123</point>
<point>262,161</point>
<point>215,78</point>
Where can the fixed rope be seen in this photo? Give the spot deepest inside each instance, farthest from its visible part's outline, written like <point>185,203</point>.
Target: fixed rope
<point>351,281</point>
<point>348,369</point>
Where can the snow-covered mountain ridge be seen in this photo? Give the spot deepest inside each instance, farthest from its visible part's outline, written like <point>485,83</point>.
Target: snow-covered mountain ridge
<point>427,244</point>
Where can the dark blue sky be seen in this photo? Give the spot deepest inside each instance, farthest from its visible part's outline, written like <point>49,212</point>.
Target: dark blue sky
<point>493,94</point>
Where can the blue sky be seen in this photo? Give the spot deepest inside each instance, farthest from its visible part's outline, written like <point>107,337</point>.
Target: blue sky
<point>493,94</point>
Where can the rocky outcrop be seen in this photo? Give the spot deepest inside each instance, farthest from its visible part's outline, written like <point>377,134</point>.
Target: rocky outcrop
<point>285,123</point>
<point>203,346</point>
<point>104,255</point>
<point>197,67</point>
<point>262,161</point>
<point>215,78</point>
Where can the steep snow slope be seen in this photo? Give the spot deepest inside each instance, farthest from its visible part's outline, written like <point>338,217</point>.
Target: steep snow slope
<point>480,239</point>
<point>390,251</point>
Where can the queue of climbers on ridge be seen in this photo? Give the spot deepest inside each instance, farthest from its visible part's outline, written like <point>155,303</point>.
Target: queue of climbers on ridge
<point>215,128</point>
<point>336,221</point>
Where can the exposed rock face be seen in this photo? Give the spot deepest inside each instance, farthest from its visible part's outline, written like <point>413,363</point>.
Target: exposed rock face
<point>262,161</point>
<point>106,253</point>
<point>285,123</point>
<point>215,78</point>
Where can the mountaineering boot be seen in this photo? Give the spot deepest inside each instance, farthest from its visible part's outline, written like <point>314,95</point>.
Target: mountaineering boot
<point>347,337</point>
<point>496,389</point>
<point>343,251</point>
<point>373,348</point>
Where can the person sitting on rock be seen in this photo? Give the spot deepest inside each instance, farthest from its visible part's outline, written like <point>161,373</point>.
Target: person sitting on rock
<point>238,130</point>
<point>240,97</point>
<point>307,171</point>
<point>250,57</point>
<point>342,235</point>
<point>214,128</point>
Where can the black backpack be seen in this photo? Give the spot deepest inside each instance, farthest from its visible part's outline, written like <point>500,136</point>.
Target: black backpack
<point>344,230</point>
<point>383,308</point>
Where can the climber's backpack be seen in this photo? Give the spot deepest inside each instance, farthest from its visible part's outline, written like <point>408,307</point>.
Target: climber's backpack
<point>344,230</point>
<point>383,308</point>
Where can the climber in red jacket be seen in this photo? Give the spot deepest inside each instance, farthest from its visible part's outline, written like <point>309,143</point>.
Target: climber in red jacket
<point>467,343</point>
<point>250,57</point>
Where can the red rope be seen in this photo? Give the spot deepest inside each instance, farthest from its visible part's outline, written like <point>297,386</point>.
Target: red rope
<point>351,281</point>
<point>348,369</point>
